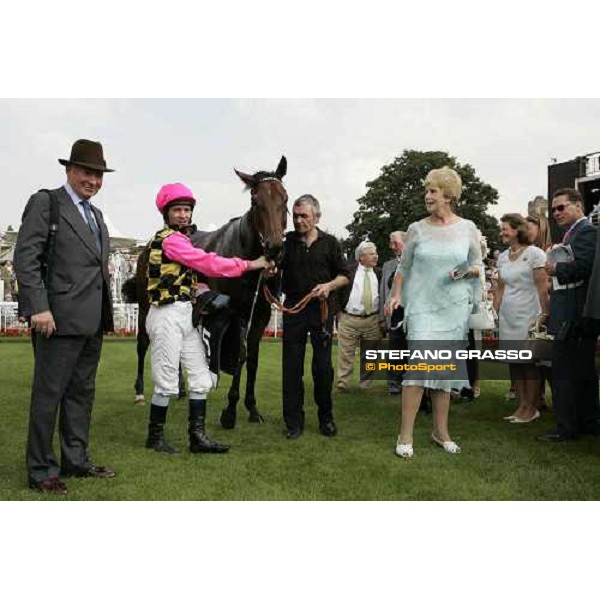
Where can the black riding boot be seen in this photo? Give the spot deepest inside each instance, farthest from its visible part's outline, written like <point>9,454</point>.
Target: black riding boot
<point>199,441</point>
<point>156,439</point>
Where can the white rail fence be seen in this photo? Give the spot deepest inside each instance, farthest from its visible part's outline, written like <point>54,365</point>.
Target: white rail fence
<point>125,317</point>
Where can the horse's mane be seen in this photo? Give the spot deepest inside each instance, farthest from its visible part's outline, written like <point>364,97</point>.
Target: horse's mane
<point>207,236</point>
<point>227,236</point>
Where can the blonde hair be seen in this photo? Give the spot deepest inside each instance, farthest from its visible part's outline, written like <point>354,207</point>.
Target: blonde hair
<point>448,180</point>
<point>544,237</point>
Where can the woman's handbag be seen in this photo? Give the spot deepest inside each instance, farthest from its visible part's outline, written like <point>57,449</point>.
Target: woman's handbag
<point>482,318</point>
<point>539,342</point>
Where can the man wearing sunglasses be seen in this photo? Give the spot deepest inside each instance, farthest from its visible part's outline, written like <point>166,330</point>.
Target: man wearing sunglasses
<point>574,379</point>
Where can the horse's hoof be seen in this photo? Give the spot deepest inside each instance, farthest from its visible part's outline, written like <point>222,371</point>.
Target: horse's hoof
<point>227,419</point>
<point>139,400</point>
<point>255,417</point>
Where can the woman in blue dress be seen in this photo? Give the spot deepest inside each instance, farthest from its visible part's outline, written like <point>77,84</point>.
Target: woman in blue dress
<point>440,262</point>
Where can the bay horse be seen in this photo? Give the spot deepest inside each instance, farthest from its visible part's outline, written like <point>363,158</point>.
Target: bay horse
<point>259,231</point>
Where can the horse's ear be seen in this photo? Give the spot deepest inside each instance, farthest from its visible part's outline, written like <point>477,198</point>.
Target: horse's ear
<point>247,179</point>
<point>281,168</point>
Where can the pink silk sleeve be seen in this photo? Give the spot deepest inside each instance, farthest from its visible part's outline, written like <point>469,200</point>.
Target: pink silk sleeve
<point>179,248</point>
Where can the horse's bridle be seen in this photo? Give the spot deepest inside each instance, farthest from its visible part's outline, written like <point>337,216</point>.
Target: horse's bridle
<point>261,237</point>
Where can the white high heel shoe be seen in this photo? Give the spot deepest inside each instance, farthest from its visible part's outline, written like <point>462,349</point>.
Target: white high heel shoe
<point>404,450</point>
<point>450,446</point>
<point>535,417</point>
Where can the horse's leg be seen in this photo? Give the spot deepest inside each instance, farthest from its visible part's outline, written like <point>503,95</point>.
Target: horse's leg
<point>143,342</point>
<point>181,383</point>
<point>229,413</point>
<point>251,369</point>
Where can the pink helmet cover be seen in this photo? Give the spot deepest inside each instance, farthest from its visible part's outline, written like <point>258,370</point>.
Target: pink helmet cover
<point>171,192</point>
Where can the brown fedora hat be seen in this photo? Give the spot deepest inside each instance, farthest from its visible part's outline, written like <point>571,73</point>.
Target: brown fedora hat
<point>86,153</point>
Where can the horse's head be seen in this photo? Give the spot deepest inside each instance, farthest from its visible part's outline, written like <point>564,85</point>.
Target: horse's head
<point>269,208</point>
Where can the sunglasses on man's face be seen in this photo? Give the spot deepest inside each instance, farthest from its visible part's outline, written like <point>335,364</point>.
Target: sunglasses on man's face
<point>559,208</point>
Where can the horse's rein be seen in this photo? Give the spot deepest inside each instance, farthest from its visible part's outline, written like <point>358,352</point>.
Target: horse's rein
<point>299,306</point>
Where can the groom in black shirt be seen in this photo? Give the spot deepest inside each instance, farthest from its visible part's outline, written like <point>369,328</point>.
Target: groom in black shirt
<point>313,262</point>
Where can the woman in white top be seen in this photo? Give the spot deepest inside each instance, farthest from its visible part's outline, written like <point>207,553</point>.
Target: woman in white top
<point>522,296</point>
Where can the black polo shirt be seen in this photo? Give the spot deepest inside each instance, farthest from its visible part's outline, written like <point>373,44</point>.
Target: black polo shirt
<point>304,266</point>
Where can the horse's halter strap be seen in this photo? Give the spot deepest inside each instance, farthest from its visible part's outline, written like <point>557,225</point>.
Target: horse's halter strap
<point>253,188</point>
<point>268,179</point>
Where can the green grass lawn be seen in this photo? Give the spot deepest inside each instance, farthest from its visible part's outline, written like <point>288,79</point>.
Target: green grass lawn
<point>499,461</point>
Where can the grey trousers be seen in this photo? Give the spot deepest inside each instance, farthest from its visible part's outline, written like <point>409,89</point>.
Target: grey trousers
<point>64,380</point>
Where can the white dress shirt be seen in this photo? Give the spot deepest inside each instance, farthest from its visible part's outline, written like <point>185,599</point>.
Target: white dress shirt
<point>355,302</point>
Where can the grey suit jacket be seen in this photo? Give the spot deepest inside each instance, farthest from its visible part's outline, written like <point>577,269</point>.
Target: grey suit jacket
<point>387,272</point>
<point>78,290</point>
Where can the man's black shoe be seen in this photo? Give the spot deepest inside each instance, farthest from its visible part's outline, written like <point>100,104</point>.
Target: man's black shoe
<point>97,471</point>
<point>293,434</point>
<point>328,429</point>
<point>554,436</point>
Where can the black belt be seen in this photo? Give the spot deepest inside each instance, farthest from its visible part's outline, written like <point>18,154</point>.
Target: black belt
<point>360,316</point>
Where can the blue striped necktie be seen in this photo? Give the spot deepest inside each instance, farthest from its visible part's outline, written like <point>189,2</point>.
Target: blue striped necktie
<point>93,227</point>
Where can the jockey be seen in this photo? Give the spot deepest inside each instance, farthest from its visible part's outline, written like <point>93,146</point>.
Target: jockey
<point>173,267</point>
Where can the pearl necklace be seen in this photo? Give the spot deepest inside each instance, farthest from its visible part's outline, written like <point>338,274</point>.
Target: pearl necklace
<point>515,253</point>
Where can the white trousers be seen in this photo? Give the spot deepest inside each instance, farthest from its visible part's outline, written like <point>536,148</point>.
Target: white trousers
<point>173,338</point>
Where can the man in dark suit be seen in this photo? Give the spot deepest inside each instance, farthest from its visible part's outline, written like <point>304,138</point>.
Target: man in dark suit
<point>64,291</point>
<point>396,335</point>
<point>359,317</point>
<point>574,379</point>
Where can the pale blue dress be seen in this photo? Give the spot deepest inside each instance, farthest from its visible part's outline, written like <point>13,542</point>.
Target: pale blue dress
<point>435,306</point>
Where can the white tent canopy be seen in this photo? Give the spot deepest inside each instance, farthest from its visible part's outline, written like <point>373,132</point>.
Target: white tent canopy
<point>117,238</point>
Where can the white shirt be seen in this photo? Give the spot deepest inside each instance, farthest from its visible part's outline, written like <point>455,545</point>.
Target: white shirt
<point>355,304</point>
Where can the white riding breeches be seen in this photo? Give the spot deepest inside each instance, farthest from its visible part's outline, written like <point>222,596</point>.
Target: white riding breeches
<point>173,338</point>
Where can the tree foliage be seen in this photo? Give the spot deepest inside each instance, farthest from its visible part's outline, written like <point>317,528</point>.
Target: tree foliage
<point>396,199</point>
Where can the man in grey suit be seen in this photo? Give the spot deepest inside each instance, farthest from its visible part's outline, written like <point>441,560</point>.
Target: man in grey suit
<point>64,291</point>
<point>396,335</point>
